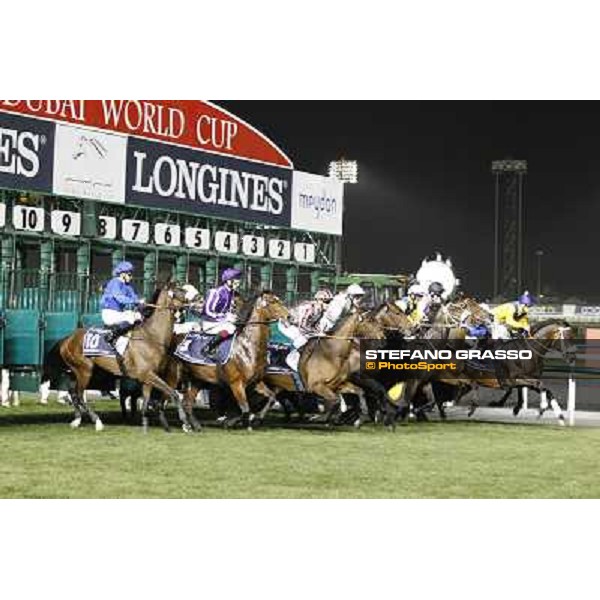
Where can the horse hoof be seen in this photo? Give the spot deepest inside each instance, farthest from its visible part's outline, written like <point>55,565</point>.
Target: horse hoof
<point>186,428</point>
<point>357,424</point>
<point>75,423</point>
<point>99,425</point>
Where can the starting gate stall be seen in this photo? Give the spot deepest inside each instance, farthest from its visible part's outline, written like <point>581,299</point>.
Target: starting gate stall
<point>182,189</point>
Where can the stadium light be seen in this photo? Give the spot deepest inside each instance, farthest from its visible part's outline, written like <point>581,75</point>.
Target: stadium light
<point>344,170</point>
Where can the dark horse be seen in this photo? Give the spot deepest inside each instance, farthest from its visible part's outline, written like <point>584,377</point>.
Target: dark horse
<point>145,358</point>
<point>547,335</point>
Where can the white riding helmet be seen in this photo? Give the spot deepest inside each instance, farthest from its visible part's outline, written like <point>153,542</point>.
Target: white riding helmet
<point>324,295</point>
<point>191,292</point>
<point>416,290</point>
<point>355,290</point>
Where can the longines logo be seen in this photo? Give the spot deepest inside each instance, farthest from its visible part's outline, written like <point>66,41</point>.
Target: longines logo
<point>190,180</point>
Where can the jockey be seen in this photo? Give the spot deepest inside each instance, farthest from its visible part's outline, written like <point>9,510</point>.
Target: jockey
<point>194,309</point>
<point>304,320</point>
<point>410,304</point>
<point>217,318</point>
<point>512,318</point>
<point>341,305</point>
<point>119,302</point>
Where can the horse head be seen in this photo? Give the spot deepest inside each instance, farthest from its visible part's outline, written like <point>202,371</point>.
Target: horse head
<point>559,334</point>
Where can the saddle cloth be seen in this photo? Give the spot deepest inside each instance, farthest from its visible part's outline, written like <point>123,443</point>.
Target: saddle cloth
<point>192,349</point>
<point>95,344</point>
<point>277,365</point>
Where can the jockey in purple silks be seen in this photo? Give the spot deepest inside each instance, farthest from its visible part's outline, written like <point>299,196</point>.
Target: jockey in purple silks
<point>217,318</point>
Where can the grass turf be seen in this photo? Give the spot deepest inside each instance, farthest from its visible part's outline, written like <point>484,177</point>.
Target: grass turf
<point>41,457</point>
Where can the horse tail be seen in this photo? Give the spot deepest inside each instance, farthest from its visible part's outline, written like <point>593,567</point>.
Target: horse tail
<point>54,364</point>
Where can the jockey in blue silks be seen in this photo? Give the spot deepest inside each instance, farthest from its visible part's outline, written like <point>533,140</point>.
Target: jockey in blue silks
<point>217,318</point>
<point>119,302</point>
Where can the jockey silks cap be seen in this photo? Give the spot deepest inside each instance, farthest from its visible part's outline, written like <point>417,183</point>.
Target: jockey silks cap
<point>324,295</point>
<point>416,290</point>
<point>123,267</point>
<point>355,290</point>
<point>525,299</point>
<point>229,274</point>
<point>436,288</point>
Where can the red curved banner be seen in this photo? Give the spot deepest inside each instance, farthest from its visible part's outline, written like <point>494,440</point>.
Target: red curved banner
<point>190,123</point>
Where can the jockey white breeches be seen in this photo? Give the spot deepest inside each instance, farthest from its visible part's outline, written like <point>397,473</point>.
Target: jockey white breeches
<point>294,333</point>
<point>181,328</point>
<point>114,317</point>
<point>216,327</point>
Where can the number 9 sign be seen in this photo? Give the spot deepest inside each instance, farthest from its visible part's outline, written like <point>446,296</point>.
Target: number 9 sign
<point>64,222</point>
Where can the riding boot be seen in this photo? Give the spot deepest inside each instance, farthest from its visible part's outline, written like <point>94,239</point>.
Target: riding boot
<point>114,334</point>
<point>210,350</point>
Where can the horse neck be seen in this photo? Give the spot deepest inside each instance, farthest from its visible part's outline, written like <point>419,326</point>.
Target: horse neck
<point>160,323</point>
<point>255,332</point>
<point>348,326</point>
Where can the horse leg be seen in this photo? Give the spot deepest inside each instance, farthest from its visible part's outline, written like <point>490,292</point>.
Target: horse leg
<point>239,391</point>
<point>474,400</point>
<point>146,391</point>
<point>558,413</point>
<point>76,401</point>
<point>83,379</point>
<point>520,401</point>
<point>329,398</point>
<point>189,397</point>
<point>262,389</point>
<point>500,403</point>
<point>156,382</point>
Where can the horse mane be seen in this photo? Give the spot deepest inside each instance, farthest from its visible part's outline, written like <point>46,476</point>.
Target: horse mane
<point>545,323</point>
<point>247,307</point>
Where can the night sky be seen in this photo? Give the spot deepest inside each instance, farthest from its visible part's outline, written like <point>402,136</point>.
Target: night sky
<point>425,181</point>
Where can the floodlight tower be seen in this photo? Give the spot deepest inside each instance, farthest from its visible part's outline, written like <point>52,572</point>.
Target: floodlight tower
<point>347,172</point>
<point>509,179</point>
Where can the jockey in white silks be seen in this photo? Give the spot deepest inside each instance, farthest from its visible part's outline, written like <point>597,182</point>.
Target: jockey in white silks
<point>303,322</point>
<point>217,318</point>
<point>341,305</point>
<point>119,302</point>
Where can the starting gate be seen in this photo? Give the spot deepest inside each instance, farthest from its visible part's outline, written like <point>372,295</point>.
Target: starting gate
<point>81,190</point>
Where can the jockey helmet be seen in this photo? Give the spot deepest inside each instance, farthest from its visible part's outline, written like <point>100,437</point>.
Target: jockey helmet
<point>191,292</point>
<point>355,290</point>
<point>416,290</point>
<point>324,295</point>
<point>123,267</point>
<point>436,288</point>
<point>229,274</point>
<point>525,299</point>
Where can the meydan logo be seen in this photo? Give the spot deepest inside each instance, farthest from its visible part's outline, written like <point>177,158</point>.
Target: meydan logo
<point>321,205</point>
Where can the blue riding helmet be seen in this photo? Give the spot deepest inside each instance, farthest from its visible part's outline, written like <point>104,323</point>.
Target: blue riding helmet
<point>123,267</point>
<point>526,299</point>
<point>229,274</point>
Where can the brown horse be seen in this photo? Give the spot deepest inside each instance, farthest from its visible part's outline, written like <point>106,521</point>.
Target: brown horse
<point>247,363</point>
<point>144,359</point>
<point>330,365</point>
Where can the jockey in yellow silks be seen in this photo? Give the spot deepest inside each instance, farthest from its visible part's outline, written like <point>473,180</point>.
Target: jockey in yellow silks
<point>512,317</point>
<point>414,304</point>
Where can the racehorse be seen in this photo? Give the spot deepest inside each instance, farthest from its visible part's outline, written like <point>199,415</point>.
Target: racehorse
<point>247,362</point>
<point>547,335</point>
<point>330,364</point>
<point>144,359</point>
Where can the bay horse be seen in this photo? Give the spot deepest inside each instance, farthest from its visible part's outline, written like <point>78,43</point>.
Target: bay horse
<point>145,358</point>
<point>247,362</point>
